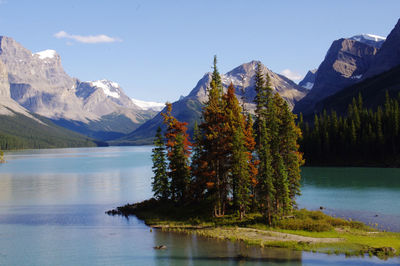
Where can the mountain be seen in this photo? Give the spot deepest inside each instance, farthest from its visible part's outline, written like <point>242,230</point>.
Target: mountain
<point>21,129</point>
<point>370,39</point>
<point>388,56</point>
<point>38,82</point>
<point>353,69</point>
<point>372,89</point>
<point>188,109</point>
<point>309,80</point>
<point>345,63</point>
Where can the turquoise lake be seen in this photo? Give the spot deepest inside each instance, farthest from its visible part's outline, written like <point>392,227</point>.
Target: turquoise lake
<point>52,205</point>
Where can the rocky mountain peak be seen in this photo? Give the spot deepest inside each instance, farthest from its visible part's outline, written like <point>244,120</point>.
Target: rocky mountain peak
<point>345,63</point>
<point>369,39</point>
<point>309,80</point>
<point>242,77</point>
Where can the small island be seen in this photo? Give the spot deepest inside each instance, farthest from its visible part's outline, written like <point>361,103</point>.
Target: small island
<point>304,230</point>
<point>239,180</point>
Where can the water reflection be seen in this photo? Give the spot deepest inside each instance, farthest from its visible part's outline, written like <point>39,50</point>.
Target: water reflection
<point>193,250</point>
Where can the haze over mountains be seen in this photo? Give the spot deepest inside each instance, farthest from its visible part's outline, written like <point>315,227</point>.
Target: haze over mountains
<point>35,86</point>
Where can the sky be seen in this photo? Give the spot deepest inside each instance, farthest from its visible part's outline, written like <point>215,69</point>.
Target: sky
<point>158,50</point>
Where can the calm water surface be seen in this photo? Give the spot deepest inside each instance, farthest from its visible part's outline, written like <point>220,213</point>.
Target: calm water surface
<point>52,205</point>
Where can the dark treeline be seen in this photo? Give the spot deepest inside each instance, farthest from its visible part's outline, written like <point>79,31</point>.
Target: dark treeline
<point>362,136</point>
<point>233,166</point>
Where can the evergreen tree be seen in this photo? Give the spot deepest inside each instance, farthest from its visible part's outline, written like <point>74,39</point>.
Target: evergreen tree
<point>265,185</point>
<point>240,173</point>
<point>360,137</point>
<point>178,152</point>
<point>214,145</point>
<point>198,166</point>
<point>179,171</point>
<point>160,184</point>
<point>292,158</point>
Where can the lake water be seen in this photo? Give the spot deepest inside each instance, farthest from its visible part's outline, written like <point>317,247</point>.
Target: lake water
<point>52,205</point>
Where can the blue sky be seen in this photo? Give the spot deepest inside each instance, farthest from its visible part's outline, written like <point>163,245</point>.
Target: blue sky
<point>158,50</point>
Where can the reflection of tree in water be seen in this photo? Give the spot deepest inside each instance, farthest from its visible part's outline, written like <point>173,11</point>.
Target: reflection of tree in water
<point>184,249</point>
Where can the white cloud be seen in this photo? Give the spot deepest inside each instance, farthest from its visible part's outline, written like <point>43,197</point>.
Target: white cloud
<point>86,39</point>
<point>291,74</point>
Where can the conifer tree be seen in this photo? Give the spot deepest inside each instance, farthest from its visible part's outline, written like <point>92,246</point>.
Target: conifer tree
<point>215,144</point>
<point>160,184</point>
<point>252,161</point>
<point>265,185</point>
<point>179,170</point>
<point>292,158</point>
<point>198,166</point>
<point>178,152</point>
<point>240,173</point>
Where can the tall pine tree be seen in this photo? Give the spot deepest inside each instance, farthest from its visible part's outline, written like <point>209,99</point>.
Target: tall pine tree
<point>160,184</point>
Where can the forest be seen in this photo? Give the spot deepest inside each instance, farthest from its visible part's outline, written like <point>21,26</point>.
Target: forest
<point>361,137</point>
<point>232,165</point>
<point>21,132</point>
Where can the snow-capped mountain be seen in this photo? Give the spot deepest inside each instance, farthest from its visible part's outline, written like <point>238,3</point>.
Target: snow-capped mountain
<point>109,88</point>
<point>369,39</point>
<point>38,83</point>
<point>155,106</point>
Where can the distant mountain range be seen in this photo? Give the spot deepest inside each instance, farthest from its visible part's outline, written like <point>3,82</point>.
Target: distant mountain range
<point>37,83</point>
<point>35,89</point>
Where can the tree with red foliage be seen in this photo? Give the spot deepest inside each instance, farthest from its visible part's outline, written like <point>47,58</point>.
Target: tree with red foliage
<point>178,153</point>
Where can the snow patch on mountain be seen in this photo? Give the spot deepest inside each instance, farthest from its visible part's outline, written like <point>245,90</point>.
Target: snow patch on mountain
<point>357,77</point>
<point>369,39</point>
<point>46,54</point>
<point>308,86</point>
<point>109,88</point>
<point>149,105</point>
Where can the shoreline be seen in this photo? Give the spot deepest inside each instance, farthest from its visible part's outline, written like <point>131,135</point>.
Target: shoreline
<point>345,237</point>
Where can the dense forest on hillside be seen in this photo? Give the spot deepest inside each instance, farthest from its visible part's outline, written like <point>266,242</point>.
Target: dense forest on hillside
<point>21,132</point>
<point>360,137</point>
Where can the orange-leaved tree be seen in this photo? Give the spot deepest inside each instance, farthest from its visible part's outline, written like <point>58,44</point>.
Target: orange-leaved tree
<point>178,152</point>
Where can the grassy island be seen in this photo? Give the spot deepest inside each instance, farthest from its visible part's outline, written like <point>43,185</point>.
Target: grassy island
<point>304,230</point>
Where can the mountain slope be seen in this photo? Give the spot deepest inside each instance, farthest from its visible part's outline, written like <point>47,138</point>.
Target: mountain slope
<point>373,91</point>
<point>18,131</point>
<point>38,82</point>
<point>388,56</point>
<point>345,63</point>
<point>188,109</point>
<point>309,80</point>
